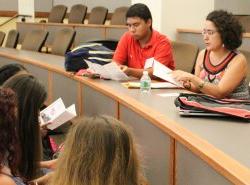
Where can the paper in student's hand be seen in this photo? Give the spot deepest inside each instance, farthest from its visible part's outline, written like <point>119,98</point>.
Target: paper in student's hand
<point>67,115</point>
<point>56,114</point>
<point>164,73</point>
<point>115,72</point>
<point>149,63</point>
<point>52,111</point>
<point>108,71</point>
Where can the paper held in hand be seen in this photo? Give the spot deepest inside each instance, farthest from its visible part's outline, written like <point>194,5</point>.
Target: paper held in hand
<point>108,71</point>
<point>164,73</point>
<point>56,114</point>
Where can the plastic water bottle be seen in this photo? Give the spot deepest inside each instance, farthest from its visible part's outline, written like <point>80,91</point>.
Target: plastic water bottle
<point>145,83</point>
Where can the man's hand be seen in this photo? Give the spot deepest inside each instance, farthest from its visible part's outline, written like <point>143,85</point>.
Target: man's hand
<point>125,69</point>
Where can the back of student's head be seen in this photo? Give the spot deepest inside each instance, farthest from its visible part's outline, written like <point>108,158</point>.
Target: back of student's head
<point>31,96</point>
<point>98,151</point>
<point>9,145</point>
<point>139,10</point>
<point>10,70</point>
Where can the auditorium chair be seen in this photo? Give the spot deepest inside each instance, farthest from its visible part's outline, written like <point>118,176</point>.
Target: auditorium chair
<point>77,14</point>
<point>12,39</point>
<point>184,55</point>
<point>2,36</point>
<point>57,14</point>
<point>98,15</point>
<point>34,40</point>
<point>119,16</point>
<point>63,41</point>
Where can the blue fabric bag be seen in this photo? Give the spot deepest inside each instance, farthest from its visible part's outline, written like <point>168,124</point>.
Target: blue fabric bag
<point>93,52</point>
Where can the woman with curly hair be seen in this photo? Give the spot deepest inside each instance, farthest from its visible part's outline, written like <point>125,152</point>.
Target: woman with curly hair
<point>220,69</point>
<point>98,151</point>
<point>9,142</point>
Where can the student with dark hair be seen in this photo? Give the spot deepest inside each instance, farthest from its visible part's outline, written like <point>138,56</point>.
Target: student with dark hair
<point>98,150</point>
<point>142,42</point>
<point>10,70</point>
<point>220,69</point>
<point>31,96</point>
<point>9,145</point>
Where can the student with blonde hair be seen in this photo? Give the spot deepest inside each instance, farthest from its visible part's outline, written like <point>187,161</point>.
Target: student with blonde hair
<point>98,151</point>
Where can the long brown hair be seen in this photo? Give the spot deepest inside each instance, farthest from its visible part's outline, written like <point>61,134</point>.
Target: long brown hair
<point>31,95</point>
<point>98,151</point>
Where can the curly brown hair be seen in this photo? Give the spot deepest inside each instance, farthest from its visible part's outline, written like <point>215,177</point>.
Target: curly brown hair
<point>9,145</point>
<point>228,26</point>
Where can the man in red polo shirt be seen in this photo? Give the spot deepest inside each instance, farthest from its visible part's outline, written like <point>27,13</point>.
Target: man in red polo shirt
<point>141,42</point>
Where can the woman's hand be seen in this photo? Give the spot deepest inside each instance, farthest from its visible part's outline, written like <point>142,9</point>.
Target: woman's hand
<point>182,76</point>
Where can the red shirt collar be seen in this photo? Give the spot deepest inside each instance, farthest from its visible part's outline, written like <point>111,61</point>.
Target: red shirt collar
<point>151,41</point>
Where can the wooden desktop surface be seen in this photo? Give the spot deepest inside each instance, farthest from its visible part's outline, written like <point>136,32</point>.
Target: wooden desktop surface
<point>223,143</point>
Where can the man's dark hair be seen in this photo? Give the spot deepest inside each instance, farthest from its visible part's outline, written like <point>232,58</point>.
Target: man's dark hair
<point>229,28</point>
<point>139,10</point>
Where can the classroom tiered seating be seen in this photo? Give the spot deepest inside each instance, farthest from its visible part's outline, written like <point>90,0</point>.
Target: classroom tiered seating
<point>77,14</point>
<point>98,15</point>
<point>119,16</point>
<point>2,36</point>
<point>185,55</point>
<point>63,41</point>
<point>34,40</point>
<point>12,39</point>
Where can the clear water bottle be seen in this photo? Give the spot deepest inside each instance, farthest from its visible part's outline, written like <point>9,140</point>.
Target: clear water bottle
<point>145,83</point>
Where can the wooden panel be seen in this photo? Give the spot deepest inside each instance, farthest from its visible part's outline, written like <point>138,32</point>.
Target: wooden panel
<point>115,33</point>
<point>84,34</point>
<point>154,145</point>
<point>65,88</point>
<point>4,61</point>
<point>52,29</point>
<point>95,103</point>
<point>24,28</point>
<point>40,73</point>
<point>191,170</point>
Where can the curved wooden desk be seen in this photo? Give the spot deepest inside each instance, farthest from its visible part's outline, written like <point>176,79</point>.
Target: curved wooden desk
<point>176,150</point>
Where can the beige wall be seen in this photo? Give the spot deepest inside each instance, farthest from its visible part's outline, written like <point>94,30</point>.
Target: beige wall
<point>185,14</point>
<point>240,7</point>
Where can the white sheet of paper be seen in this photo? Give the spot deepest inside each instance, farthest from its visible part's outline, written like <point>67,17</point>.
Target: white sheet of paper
<point>115,72</point>
<point>67,115</point>
<point>149,63</point>
<point>169,94</point>
<point>56,114</point>
<point>108,71</point>
<point>164,73</point>
<point>52,111</point>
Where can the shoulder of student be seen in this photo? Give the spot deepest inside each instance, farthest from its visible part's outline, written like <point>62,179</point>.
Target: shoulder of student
<point>240,60</point>
<point>6,180</point>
